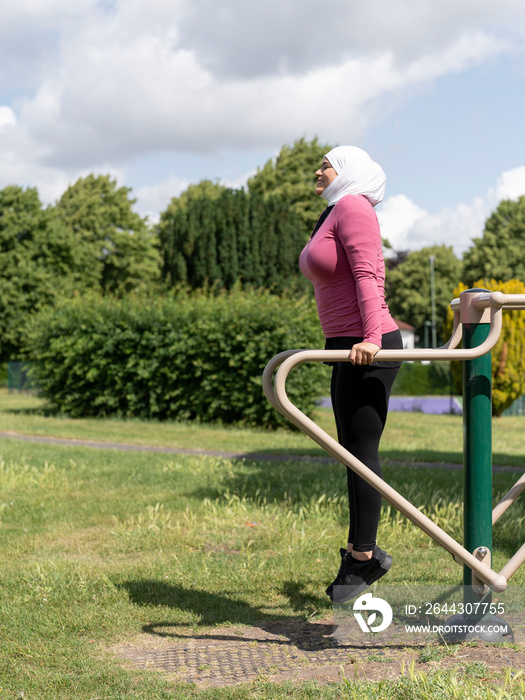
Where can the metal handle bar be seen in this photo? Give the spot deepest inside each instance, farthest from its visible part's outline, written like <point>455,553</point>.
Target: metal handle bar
<point>285,406</point>
<point>289,358</point>
<point>512,302</point>
<point>278,398</point>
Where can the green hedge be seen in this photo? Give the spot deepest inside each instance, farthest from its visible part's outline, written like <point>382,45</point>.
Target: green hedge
<point>417,379</point>
<point>191,356</point>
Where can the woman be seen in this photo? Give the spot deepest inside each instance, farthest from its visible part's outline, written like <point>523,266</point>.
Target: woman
<point>344,261</point>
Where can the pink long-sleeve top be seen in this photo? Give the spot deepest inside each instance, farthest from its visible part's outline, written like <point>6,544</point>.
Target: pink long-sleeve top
<point>344,261</point>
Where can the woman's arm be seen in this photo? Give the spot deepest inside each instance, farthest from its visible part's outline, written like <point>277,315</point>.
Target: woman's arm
<point>359,234</point>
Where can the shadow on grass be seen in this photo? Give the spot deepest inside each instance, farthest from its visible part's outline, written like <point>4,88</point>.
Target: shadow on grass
<point>47,411</point>
<point>287,453</point>
<point>432,457</point>
<point>214,610</point>
<point>299,599</point>
<point>307,483</point>
<point>287,481</point>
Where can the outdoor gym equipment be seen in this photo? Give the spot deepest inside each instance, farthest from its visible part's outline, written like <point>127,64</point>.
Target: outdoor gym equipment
<point>478,322</point>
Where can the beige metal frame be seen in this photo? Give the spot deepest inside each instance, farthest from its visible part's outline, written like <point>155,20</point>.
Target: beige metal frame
<point>483,307</point>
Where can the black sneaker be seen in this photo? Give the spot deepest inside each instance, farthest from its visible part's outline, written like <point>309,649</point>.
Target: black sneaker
<point>355,576</point>
<point>336,581</point>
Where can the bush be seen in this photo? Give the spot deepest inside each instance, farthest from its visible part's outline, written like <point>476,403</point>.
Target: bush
<point>191,356</point>
<point>508,356</point>
<point>417,379</point>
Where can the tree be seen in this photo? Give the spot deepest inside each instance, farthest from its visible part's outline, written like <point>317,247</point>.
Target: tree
<point>122,252</point>
<point>212,235</point>
<point>291,176</point>
<point>408,286</point>
<point>395,258</point>
<point>39,262</point>
<point>508,356</point>
<point>180,225</point>
<point>499,253</point>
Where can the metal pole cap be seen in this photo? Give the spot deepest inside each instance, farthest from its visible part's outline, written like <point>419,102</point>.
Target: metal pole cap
<point>468,312</point>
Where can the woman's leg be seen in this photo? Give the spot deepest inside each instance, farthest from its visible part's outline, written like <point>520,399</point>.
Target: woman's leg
<point>360,402</point>
<point>334,393</point>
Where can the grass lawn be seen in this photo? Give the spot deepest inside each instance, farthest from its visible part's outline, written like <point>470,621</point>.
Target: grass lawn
<point>408,436</point>
<point>100,546</point>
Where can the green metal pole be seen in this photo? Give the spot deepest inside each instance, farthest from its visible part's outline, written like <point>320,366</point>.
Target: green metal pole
<point>477,445</point>
<point>477,471</point>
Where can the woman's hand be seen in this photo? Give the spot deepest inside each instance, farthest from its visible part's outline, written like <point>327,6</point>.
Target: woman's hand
<point>363,353</point>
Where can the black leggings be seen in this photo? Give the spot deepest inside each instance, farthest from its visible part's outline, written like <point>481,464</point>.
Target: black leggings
<point>360,395</point>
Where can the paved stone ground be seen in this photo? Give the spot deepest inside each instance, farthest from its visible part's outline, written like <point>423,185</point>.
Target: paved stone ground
<point>298,651</point>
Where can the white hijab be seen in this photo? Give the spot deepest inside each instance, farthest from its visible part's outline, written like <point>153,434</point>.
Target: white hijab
<point>357,173</point>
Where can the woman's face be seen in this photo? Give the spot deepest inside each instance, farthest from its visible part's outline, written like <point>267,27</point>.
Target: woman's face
<point>325,175</point>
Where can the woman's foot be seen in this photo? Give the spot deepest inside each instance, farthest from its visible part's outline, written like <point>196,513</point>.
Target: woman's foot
<point>355,576</point>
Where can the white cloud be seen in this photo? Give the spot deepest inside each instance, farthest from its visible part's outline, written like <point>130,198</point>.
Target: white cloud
<point>397,216</point>
<point>97,84</point>
<point>153,199</point>
<point>510,185</point>
<point>408,227</point>
<point>21,163</point>
<point>241,182</point>
<point>452,227</point>
<point>7,117</point>
<point>242,39</point>
<point>120,94</point>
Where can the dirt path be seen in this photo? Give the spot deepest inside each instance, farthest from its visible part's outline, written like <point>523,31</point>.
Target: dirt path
<point>255,456</point>
<point>299,651</point>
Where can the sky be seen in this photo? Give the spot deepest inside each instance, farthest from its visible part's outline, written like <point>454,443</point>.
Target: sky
<point>164,93</point>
